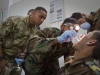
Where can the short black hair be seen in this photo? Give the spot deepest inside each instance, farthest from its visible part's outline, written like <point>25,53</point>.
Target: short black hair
<point>76,15</point>
<point>40,8</point>
<point>96,50</point>
<point>70,20</point>
<point>30,10</point>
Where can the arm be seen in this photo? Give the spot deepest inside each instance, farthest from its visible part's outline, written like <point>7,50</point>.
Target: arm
<point>46,42</point>
<point>4,31</point>
<point>43,41</point>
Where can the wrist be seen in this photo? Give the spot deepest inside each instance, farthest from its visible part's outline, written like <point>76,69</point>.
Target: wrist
<point>60,39</point>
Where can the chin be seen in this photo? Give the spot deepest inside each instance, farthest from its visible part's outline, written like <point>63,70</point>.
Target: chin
<point>38,24</point>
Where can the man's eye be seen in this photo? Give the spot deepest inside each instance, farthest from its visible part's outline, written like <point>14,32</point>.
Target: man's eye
<point>41,16</point>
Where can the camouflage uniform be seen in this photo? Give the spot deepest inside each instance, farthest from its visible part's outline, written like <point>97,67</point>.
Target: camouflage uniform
<point>80,67</point>
<point>96,22</point>
<point>43,56</point>
<point>14,35</point>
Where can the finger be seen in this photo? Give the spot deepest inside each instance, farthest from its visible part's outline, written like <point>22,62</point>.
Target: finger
<point>21,56</point>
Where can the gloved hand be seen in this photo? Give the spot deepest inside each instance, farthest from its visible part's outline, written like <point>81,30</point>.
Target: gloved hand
<point>85,26</point>
<point>67,36</point>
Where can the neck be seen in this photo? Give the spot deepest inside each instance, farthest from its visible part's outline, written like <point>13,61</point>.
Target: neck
<point>82,54</point>
<point>31,22</point>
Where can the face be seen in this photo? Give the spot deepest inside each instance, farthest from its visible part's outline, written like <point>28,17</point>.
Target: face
<point>83,42</point>
<point>39,17</point>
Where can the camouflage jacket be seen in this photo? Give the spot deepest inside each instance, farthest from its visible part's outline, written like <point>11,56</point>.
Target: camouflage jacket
<point>79,67</point>
<point>96,22</point>
<point>14,35</point>
<point>43,56</point>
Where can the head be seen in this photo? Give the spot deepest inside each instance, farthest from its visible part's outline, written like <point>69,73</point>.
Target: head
<point>30,12</point>
<point>90,44</point>
<point>38,16</point>
<point>96,50</point>
<point>78,16</point>
<point>68,24</point>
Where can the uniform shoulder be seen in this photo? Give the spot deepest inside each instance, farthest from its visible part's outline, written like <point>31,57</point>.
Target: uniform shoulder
<point>16,17</point>
<point>49,32</point>
<point>51,29</point>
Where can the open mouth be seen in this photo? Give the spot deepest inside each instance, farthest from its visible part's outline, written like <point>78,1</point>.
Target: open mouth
<point>79,38</point>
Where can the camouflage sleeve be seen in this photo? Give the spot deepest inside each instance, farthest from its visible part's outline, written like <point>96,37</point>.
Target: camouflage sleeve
<point>42,42</point>
<point>6,28</point>
<point>49,32</point>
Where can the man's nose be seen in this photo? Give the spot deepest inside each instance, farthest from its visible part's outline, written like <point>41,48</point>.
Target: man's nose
<point>42,20</point>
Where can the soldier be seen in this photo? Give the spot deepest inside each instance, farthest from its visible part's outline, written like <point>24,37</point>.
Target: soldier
<point>48,45</point>
<point>87,49</point>
<point>14,35</point>
<point>95,18</point>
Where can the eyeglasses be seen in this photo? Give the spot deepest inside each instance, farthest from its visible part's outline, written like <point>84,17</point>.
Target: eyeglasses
<point>72,26</point>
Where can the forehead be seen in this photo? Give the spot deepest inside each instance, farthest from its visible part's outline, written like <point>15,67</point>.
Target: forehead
<point>41,12</point>
<point>89,35</point>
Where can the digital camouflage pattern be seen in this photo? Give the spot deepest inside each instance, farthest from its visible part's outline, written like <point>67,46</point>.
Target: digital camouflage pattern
<point>43,56</point>
<point>14,35</point>
<point>80,67</point>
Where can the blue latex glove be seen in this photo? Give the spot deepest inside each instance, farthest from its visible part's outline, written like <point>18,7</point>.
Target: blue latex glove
<point>85,26</point>
<point>19,61</point>
<point>67,36</point>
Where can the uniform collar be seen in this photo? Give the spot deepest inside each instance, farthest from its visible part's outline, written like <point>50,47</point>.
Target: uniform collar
<point>27,22</point>
<point>75,62</point>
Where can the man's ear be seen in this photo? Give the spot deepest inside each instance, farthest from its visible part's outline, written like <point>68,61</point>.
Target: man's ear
<point>33,12</point>
<point>92,43</point>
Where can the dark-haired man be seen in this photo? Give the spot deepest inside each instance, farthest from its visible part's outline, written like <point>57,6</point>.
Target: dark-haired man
<point>14,35</point>
<point>86,21</point>
<point>87,49</point>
